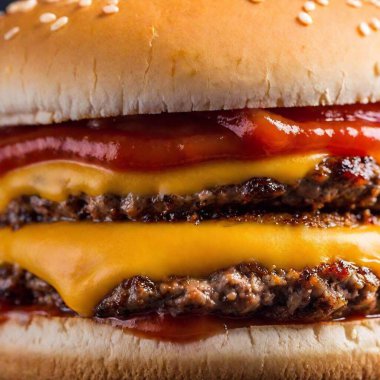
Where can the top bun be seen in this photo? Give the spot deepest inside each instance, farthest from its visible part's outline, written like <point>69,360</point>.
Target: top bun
<point>169,56</point>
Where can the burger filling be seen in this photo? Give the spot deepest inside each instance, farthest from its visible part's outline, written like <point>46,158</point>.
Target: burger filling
<point>325,292</point>
<point>269,214</point>
<point>336,183</point>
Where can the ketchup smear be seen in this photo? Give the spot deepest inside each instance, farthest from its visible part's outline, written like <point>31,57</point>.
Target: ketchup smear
<point>151,325</point>
<point>162,327</point>
<point>157,142</point>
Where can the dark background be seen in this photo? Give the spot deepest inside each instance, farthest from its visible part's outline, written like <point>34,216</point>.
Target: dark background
<point>3,4</point>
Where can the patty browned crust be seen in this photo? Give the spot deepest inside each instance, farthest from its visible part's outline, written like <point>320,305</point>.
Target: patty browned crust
<point>339,192</point>
<point>336,185</point>
<point>325,292</point>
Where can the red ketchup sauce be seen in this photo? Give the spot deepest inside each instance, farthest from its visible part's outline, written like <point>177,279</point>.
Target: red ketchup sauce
<point>151,326</point>
<point>183,329</point>
<point>191,328</point>
<point>157,142</point>
<point>162,327</point>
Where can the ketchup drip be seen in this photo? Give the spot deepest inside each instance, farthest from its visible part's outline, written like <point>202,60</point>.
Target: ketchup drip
<point>158,142</point>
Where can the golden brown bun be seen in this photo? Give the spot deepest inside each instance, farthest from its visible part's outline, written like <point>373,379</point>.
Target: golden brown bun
<point>72,349</point>
<point>170,55</point>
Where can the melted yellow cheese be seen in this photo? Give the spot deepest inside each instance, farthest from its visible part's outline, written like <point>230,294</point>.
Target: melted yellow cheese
<point>84,261</point>
<point>56,180</point>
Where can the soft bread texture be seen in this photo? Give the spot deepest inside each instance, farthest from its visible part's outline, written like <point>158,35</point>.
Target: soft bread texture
<point>73,348</point>
<point>168,55</point>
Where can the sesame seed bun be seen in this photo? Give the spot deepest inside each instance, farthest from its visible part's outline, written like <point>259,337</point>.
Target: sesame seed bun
<point>154,56</point>
<point>74,348</point>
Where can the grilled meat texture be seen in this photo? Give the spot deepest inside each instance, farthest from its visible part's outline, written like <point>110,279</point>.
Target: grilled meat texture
<point>322,293</point>
<point>339,192</point>
<point>21,288</point>
<point>337,184</point>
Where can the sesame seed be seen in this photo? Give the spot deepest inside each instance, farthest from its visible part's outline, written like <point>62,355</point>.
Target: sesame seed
<point>304,18</point>
<point>110,9</point>
<point>364,29</point>
<point>375,23</point>
<point>354,334</point>
<point>112,2</point>
<point>377,69</point>
<point>21,6</point>
<point>231,296</point>
<point>11,33</point>
<point>309,6</point>
<point>47,18</point>
<point>323,2</point>
<point>62,21</point>
<point>85,3</point>
<point>354,3</point>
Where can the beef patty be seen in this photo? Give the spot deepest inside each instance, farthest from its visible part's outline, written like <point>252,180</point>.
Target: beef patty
<point>325,292</point>
<point>340,191</point>
<point>336,184</point>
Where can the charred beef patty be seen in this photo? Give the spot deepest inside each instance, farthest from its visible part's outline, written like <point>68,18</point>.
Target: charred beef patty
<point>322,293</point>
<point>337,184</point>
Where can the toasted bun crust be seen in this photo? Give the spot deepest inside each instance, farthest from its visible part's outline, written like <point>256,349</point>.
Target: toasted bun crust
<point>60,348</point>
<point>168,55</point>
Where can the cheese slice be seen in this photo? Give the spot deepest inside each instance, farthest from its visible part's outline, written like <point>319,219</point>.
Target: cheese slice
<point>85,261</point>
<point>57,180</point>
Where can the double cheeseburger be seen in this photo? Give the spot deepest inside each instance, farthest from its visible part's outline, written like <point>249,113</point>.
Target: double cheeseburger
<point>190,189</point>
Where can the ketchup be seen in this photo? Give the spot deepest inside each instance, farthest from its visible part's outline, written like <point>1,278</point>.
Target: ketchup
<point>162,327</point>
<point>158,142</point>
<point>165,327</point>
<point>150,325</point>
<point>25,313</point>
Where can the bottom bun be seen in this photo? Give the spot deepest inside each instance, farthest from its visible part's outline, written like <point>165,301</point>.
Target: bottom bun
<point>75,348</point>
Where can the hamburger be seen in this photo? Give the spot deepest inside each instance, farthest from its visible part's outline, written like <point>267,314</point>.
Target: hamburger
<point>190,189</point>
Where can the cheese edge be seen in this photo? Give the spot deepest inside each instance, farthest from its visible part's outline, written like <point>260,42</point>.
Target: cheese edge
<point>56,180</point>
